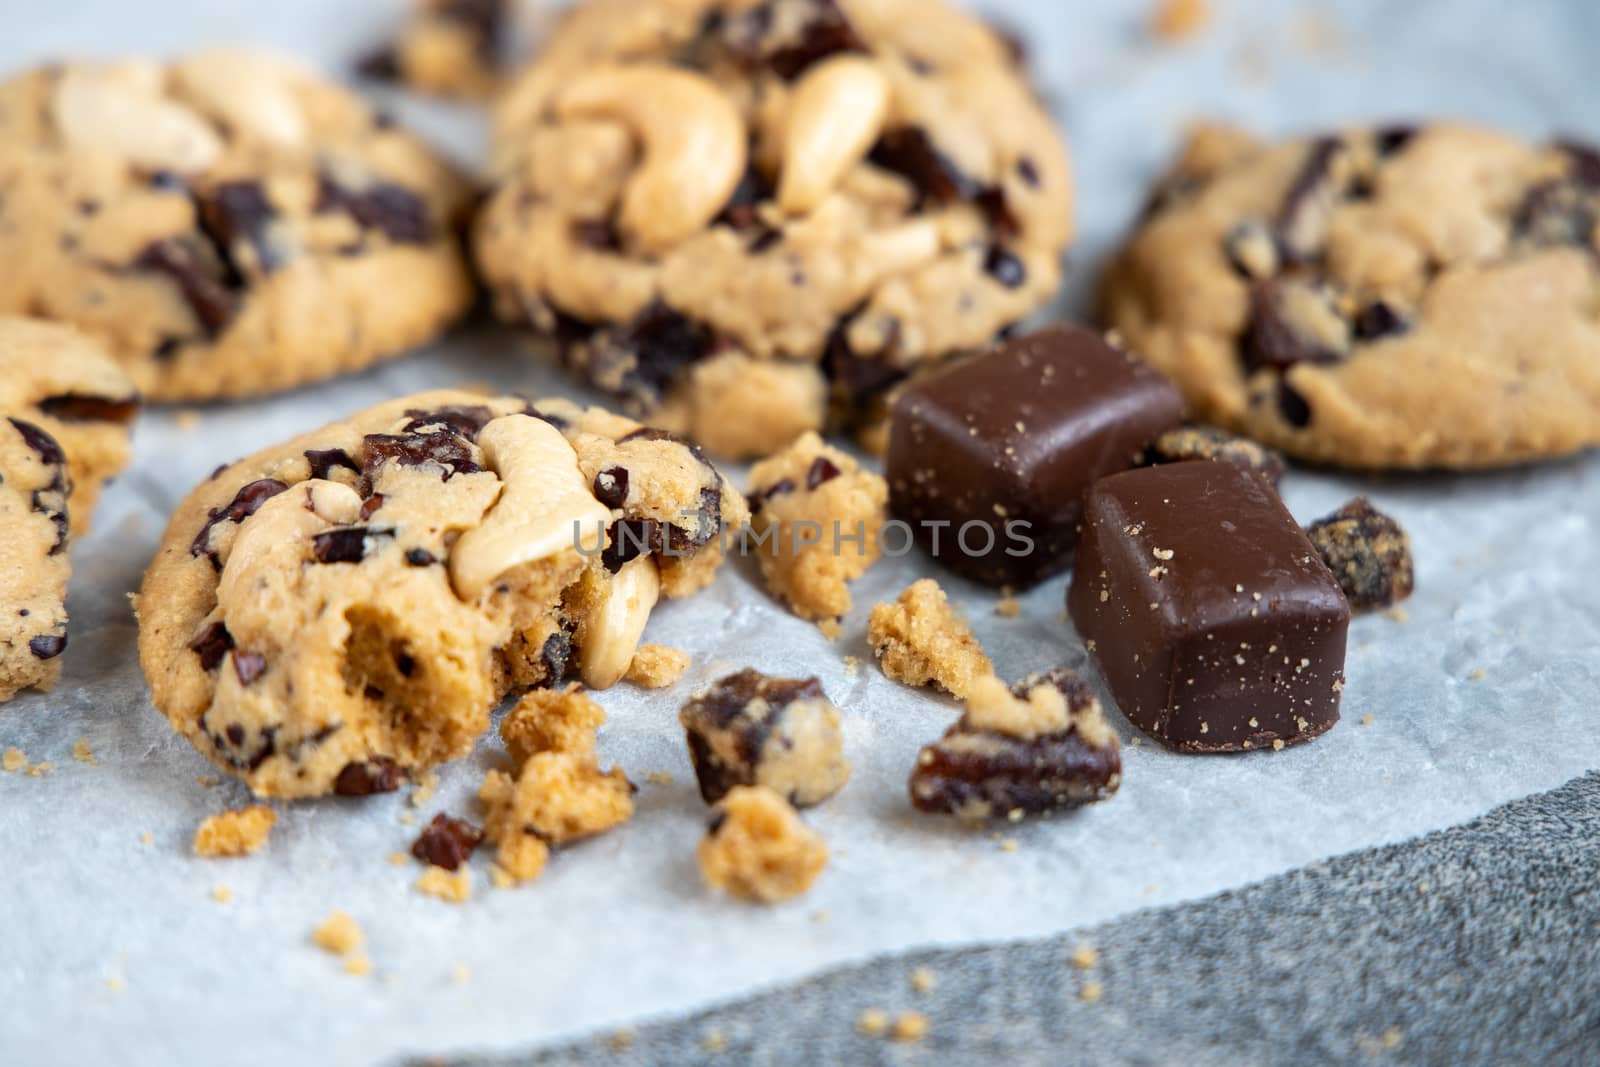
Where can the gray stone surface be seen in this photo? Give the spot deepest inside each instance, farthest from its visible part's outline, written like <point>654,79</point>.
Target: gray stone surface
<point>1475,945</point>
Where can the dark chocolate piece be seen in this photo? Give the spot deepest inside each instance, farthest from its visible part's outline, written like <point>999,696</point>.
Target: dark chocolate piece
<point>446,842</point>
<point>377,775</point>
<point>1215,623</point>
<point>989,458</point>
<point>1368,553</point>
<point>1208,442</point>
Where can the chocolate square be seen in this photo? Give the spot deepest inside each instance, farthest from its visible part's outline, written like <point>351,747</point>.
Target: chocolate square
<point>989,458</point>
<point>1215,623</point>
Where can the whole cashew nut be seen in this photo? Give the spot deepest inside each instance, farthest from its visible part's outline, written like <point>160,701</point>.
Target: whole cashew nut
<point>118,110</point>
<point>609,633</point>
<point>544,506</point>
<point>248,89</point>
<point>693,141</point>
<point>835,115</point>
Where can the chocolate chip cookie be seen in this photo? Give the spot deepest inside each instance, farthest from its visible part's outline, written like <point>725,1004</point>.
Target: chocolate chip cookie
<point>226,224</point>
<point>33,557</point>
<point>1396,297</point>
<point>733,215</point>
<point>331,613</point>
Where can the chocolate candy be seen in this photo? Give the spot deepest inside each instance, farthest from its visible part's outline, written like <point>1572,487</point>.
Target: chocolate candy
<point>989,458</point>
<point>1213,620</point>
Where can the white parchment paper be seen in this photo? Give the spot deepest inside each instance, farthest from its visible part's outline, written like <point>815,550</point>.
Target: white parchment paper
<point>112,950</point>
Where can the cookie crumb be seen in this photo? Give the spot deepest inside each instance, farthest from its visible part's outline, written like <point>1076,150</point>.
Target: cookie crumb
<point>852,666</point>
<point>757,847</point>
<point>874,1022</point>
<point>1178,20</point>
<point>222,893</point>
<point>555,797</point>
<point>461,974</point>
<point>209,780</point>
<point>910,1026</point>
<point>235,833</point>
<point>13,760</point>
<point>437,882</point>
<point>339,934</point>
<point>83,753</point>
<point>1008,607</point>
<point>831,629</point>
<point>621,1041</point>
<point>1478,674</point>
<point>1366,720</point>
<point>657,666</point>
<point>1085,957</point>
<point>659,777</point>
<point>552,720</point>
<point>1007,844</point>
<point>187,419</point>
<point>1398,614</point>
<point>115,984</point>
<point>500,878</point>
<point>714,1040</point>
<point>1277,744</point>
<point>397,858</point>
<point>1091,992</point>
<point>920,639</point>
<point>427,782</point>
<point>923,980</point>
<point>357,964</point>
<point>147,839</point>
<point>408,818</point>
<point>39,770</point>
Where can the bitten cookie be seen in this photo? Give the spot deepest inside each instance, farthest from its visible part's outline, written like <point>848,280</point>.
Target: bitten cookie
<point>33,557</point>
<point>328,614</point>
<point>226,224</point>
<point>1400,297</point>
<point>725,212</point>
<point>58,380</point>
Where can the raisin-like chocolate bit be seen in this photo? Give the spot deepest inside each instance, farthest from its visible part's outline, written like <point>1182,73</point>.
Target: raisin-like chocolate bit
<point>822,470</point>
<point>347,544</point>
<point>324,460</point>
<point>393,210</point>
<point>640,359</point>
<point>1040,747</point>
<point>909,152</point>
<point>556,654</point>
<point>248,666</point>
<point>759,498</point>
<point>42,444</point>
<point>48,646</point>
<point>363,779</point>
<point>1294,408</point>
<point>1585,160</point>
<point>212,644</point>
<point>752,729</point>
<point>1377,320</point>
<point>238,212</point>
<point>1368,553</point>
<point>1556,213</point>
<point>1391,139</point>
<point>1208,442</point>
<point>446,842</point>
<point>420,557</point>
<point>370,506</point>
<point>858,378</point>
<point>75,407</point>
<point>467,420</point>
<point>1004,267</point>
<point>244,504</point>
<point>611,486</point>
<point>811,30</point>
<point>209,287</point>
<point>230,745</point>
<point>443,449</point>
<point>1303,217</point>
<point>1291,322</point>
<point>629,539</point>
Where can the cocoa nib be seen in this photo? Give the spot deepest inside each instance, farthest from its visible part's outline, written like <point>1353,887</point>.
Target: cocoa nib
<point>1368,553</point>
<point>248,666</point>
<point>442,449</point>
<point>555,655</point>
<point>244,504</point>
<point>765,35</point>
<point>822,470</point>
<point>977,773</point>
<point>208,284</point>
<point>42,444</point>
<point>446,842</point>
<point>420,557</point>
<point>466,420</point>
<point>393,210</point>
<point>237,213</point>
<point>909,152</point>
<point>640,359</point>
<point>361,779</point>
<point>212,643</point>
<point>48,646</point>
<point>324,460</point>
<point>75,407</point>
<point>348,544</point>
<point>611,486</point>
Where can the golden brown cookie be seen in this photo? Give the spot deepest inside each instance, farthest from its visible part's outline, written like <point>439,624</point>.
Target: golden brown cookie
<point>723,211</point>
<point>333,612</point>
<point>1398,297</point>
<point>226,224</point>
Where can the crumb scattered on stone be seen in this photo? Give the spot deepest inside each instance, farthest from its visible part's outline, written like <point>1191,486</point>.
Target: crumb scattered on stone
<point>1392,1037</point>
<point>1091,991</point>
<point>714,1040</point>
<point>910,1026</point>
<point>831,629</point>
<point>438,882</point>
<point>235,833</point>
<point>14,760</point>
<point>657,666</point>
<point>757,847</point>
<point>222,894</point>
<point>874,1022</point>
<point>1086,957</point>
<point>1178,20</point>
<point>339,934</point>
<point>621,1041</point>
<point>82,752</point>
<point>923,980</point>
<point>1366,720</point>
<point>1008,607</point>
<point>921,639</point>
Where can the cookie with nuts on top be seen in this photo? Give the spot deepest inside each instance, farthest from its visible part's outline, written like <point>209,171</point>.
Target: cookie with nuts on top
<point>64,414</point>
<point>1391,298</point>
<point>331,613</point>
<point>738,216</point>
<point>225,224</point>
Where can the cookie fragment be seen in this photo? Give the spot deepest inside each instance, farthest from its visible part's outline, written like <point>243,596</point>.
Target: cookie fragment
<point>756,847</point>
<point>1368,552</point>
<point>1208,442</point>
<point>920,639</point>
<point>234,833</point>
<point>753,729</point>
<point>552,720</point>
<point>1038,747</point>
<point>815,515</point>
<point>657,666</point>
